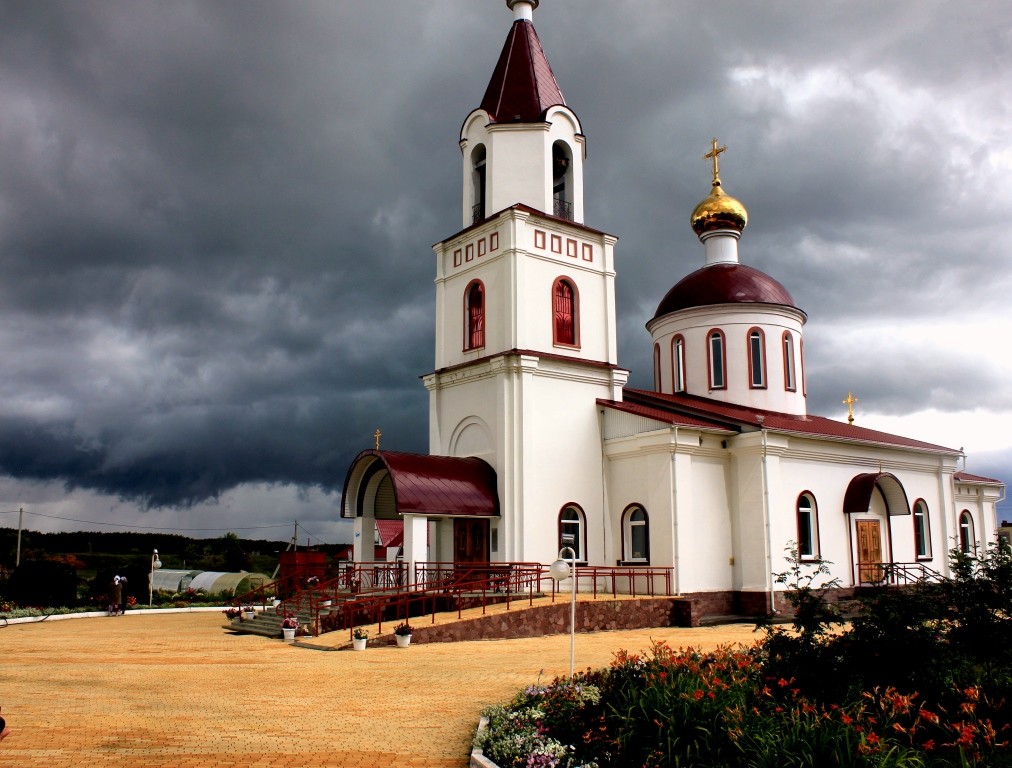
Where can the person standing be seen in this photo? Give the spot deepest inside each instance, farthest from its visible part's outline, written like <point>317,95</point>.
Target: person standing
<point>117,596</point>
<point>123,595</point>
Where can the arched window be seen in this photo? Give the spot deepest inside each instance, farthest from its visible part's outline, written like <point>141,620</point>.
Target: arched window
<point>756,359</point>
<point>678,363</point>
<point>474,311</point>
<point>566,313</point>
<point>572,530</point>
<point>718,360</point>
<point>808,527</point>
<point>635,535</point>
<point>922,531</point>
<point>478,184</point>
<point>657,367</point>
<point>562,173</point>
<point>790,380</point>
<point>804,385</point>
<point>967,541</point>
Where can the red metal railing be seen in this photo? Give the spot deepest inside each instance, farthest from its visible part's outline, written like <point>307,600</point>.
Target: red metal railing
<point>375,592</point>
<point>894,574</point>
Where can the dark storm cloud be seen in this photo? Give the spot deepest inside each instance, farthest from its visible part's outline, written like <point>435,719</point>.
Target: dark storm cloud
<point>215,218</point>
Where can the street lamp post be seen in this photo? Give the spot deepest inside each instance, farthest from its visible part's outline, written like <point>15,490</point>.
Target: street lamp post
<point>155,565</point>
<point>560,570</point>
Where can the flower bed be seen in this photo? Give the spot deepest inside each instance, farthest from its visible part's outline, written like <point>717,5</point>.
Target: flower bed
<point>920,679</point>
<point>716,709</point>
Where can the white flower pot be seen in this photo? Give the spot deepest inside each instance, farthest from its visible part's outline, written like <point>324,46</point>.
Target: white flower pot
<point>249,615</point>
<point>289,634</point>
<point>359,644</point>
<point>403,641</point>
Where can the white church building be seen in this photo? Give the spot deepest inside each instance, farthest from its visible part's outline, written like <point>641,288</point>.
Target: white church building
<point>536,442</point>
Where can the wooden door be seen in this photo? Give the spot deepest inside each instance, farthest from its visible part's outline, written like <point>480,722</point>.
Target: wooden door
<point>470,540</point>
<point>869,552</point>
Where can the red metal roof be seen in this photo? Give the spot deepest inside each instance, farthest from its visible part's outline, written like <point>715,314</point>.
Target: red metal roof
<point>857,499</point>
<point>437,485</point>
<point>966,477</point>
<point>738,416</point>
<point>391,532</point>
<point>523,86</point>
<point>724,284</point>
<point>668,417</point>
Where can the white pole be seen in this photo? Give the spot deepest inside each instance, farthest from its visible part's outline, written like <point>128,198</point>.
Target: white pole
<point>572,617</point>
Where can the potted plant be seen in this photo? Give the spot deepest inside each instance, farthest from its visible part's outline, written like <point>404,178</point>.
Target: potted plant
<point>232,613</point>
<point>289,627</point>
<point>249,612</point>
<point>402,634</point>
<point>359,638</point>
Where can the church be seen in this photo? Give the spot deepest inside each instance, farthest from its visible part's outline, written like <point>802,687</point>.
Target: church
<point>536,443</point>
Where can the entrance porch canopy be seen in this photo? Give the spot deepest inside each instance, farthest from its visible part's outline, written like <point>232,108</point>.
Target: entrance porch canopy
<point>858,496</point>
<point>411,483</point>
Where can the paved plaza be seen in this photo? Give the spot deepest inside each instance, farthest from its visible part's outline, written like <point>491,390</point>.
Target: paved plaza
<point>177,691</point>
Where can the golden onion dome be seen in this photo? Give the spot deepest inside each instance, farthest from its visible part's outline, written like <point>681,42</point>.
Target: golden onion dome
<point>718,211</point>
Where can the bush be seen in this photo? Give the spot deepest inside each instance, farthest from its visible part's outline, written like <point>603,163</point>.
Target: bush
<point>43,583</point>
<point>919,680</point>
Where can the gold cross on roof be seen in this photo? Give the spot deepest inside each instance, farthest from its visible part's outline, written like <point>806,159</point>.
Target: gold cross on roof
<point>713,155</point>
<point>849,402</point>
<point>377,435</point>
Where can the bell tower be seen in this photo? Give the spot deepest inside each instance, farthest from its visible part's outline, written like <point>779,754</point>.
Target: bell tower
<point>523,144</point>
<point>525,305</point>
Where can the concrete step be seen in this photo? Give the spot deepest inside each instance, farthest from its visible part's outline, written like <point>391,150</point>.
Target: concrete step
<point>266,624</point>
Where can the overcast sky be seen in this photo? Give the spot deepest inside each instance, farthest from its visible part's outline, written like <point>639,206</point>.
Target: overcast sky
<point>216,220</point>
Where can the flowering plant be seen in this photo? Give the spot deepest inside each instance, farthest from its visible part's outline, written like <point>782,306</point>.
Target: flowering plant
<point>232,613</point>
<point>290,622</point>
<point>360,633</point>
<point>402,629</point>
<point>248,609</point>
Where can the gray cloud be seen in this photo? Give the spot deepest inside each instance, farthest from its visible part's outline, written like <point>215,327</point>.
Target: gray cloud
<point>215,219</point>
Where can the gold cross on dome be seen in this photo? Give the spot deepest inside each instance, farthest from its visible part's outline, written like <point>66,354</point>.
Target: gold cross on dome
<point>377,434</point>
<point>713,155</point>
<point>849,402</point>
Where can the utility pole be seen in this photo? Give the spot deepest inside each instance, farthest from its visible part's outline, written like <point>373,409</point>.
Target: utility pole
<point>21,520</point>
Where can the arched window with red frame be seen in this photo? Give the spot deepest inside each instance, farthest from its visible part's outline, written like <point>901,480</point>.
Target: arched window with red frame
<point>756,359</point>
<point>635,535</point>
<point>790,375</point>
<point>715,352</point>
<point>922,531</point>
<point>804,384</point>
<point>657,367</point>
<point>678,363</point>
<point>565,313</point>
<point>474,311</point>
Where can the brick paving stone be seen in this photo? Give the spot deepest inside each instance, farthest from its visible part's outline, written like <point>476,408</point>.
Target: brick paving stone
<point>177,691</point>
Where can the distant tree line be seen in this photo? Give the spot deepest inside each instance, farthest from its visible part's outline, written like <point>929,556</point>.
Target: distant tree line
<point>74,568</point>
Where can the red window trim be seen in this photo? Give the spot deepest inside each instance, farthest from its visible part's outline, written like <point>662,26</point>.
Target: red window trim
<point>790,362</point>
<point>624,524</point>
<point>762,352</point>
<point>804,384</point>
<point>574,313</point>
<point>816,535</point>
<point>468,346</point>
<point>583,529</point>
<point>709,357</point>
<point>927,531</point>
<point>675,357</point>
<point>657,368</point>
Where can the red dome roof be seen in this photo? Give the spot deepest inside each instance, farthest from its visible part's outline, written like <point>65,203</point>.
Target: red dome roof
<point>724,284</point>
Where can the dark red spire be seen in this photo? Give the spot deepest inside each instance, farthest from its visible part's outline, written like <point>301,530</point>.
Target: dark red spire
<point>523,85</point>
